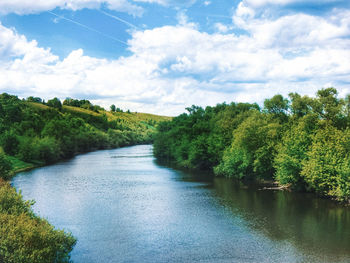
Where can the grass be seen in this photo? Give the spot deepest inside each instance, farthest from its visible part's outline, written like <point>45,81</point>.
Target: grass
<point>37,105</point>
<point>18,165</point>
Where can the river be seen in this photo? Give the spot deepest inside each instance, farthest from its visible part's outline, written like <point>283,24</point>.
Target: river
<point>125,207</point>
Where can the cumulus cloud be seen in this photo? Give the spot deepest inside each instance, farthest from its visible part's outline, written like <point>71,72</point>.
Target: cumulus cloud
<point>173,67</point>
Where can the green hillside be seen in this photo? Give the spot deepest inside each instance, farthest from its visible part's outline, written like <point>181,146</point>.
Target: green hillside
<point>34,133</point>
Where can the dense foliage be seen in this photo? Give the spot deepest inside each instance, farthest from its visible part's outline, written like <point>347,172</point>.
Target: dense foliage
<point>300,142</point>
<point>26,238</point>
<point>42,133</point>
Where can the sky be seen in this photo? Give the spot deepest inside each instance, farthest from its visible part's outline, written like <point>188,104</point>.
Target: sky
<point>161,56</point>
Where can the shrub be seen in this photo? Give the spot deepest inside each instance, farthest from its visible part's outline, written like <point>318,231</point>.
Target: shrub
<point>26,238</point>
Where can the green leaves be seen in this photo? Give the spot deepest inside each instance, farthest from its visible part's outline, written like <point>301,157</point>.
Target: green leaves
<point>252,149</point>
<point>303,143</point>
<point>292,151</point>
<point>5,167</point>
<point>26,238</point>
<point>327,169</point>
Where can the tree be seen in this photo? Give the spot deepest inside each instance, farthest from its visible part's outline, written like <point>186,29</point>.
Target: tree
<point>113,108</point>
<point>292,152</point>
<point>277,105</point>
<point>55,103</point>
<point>300,106</point>
<point>34,99</point>
<point>327,168</point>
<point>328,106</point>
<point>252,150</point>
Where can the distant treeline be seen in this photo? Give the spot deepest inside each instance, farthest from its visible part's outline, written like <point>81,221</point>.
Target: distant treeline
<point>301,142</point>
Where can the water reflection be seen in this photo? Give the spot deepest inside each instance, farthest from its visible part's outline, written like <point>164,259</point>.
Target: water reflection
<point>315,226</point>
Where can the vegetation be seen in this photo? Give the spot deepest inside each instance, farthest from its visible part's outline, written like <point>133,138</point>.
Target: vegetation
<point>301,142</point>
<point>26,238</point>
<point>34,133</point>
<point>37,133</point>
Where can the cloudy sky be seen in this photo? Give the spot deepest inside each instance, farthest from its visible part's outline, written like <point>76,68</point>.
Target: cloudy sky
<point>160,56</point>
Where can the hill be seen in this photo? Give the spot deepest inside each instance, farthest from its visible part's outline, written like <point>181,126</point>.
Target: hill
<point>36,133</point>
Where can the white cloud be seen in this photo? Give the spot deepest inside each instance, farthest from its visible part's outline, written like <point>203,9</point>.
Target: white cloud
<point>173,67</point>
<point>222,28</point>
<point>36,6</point>
<point>21,7</point>
<point>260,3</point>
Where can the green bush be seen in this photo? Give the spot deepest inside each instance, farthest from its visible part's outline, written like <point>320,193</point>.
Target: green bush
<point>9,142</point>
<point>5,167</point>
<point>26,238</point>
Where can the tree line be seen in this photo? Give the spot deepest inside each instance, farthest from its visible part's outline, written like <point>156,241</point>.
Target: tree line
<point>300,142</point>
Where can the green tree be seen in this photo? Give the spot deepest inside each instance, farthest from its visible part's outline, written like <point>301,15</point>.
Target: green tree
<point>277,106</point>
<point>328,106</point>
<point>300,106</point>
<point>252,150</point>
<point>292,152</point>
<point>327,168</point>
<point>55,103</point>
<point>113,108</point>
<point>34,99</point>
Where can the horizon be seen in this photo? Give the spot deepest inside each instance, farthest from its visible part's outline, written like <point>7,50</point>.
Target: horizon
<point>161,56</point>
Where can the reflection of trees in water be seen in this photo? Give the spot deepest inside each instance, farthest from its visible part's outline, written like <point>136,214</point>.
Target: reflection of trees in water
<point>314,225</point>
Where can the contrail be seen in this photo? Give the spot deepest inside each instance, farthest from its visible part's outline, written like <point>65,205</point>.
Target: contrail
<point>88,28</point>
<point>119,19</point>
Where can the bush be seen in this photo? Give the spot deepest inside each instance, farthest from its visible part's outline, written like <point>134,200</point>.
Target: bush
<point>5,167</point>
<point>26,238</point>
<point>47,150</point>
<point>9,142</point>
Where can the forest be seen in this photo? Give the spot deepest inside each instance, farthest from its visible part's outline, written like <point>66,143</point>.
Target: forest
<point>35,133</point>
<point>301,143</point>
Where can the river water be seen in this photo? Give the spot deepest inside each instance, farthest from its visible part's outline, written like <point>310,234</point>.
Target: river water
<point>124,207</point>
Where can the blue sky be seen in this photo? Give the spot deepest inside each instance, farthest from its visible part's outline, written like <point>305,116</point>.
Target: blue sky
<point>161,56</point>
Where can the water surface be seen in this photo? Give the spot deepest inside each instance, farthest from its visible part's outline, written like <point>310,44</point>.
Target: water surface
<point>124,207</point>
